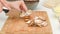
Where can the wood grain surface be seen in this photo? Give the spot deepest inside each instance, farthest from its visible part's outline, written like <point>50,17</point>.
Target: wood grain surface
<point>31,0</point>
<point>18,26</point>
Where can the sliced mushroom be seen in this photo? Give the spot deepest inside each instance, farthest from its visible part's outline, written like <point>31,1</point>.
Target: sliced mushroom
<point>44,24</point>
<point>22,14</point>
<point>40,22</point>
<point>42,18</point>
<point>37,21</point>
<point>30,23</point>
<point>26,20</point>
<point>27,13</point>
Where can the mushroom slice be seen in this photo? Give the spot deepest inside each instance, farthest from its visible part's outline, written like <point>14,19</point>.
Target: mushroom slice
<point>40,21</point>
<point>30,23</point>
<point>44,24</point>
<point>22,14</point>
<point>42,18</point>
<point>28,13</point>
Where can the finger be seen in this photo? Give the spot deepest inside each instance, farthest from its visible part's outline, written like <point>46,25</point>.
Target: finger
<point>23,6</point>
<point>4,2</point>
<point>15,4</point>
<point>0,7</point>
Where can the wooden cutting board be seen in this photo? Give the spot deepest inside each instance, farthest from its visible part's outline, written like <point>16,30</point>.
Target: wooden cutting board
<point>18,26</point>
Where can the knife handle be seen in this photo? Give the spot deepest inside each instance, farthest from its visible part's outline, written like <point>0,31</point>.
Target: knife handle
<point>6,10</point>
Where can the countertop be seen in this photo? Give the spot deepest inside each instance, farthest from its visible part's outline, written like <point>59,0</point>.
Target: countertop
<point>53,21</point>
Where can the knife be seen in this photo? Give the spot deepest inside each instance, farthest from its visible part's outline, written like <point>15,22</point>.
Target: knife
<point>6,10</point>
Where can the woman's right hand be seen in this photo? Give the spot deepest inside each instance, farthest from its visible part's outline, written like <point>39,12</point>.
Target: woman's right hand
<point>16,5</point>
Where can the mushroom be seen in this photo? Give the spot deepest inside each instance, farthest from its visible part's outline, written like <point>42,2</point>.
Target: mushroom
<point>44,24</point>
<point>37,21</point>
<point>42,18</point>
<point>25,14</point>
<point>30,23</point>
<point>40,21</point>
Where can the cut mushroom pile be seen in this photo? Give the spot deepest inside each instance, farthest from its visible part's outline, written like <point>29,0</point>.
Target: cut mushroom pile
<point>37,21</point>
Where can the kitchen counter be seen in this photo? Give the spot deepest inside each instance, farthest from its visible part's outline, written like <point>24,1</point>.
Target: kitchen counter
<point>54,22</point>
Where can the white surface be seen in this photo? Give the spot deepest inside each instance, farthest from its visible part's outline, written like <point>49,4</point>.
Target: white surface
<point>3,18</point>
<point>54,22</point>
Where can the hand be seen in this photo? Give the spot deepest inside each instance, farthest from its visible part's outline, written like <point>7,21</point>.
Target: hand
<point>19,5</point>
